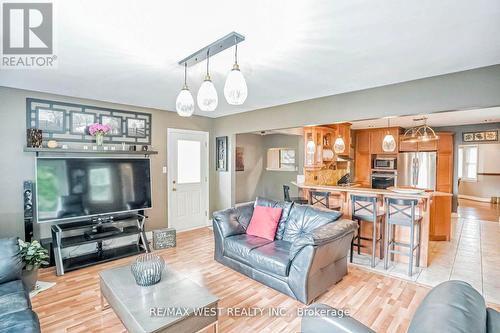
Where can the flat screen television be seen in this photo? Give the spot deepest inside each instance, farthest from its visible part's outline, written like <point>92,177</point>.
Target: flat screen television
<point>80,188</point>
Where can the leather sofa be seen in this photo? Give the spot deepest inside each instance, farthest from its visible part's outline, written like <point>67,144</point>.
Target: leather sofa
<point>451,307</point>
<point>15,306</point>
<point>308,255</point>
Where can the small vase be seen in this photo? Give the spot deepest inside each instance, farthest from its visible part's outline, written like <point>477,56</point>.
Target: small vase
<point>99,139</point>
<point>29,278</point>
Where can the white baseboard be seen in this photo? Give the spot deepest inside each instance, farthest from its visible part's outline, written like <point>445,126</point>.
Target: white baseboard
<point>473,198</point>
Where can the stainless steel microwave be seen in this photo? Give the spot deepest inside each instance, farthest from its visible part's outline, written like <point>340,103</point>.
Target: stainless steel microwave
<point>385,163</point>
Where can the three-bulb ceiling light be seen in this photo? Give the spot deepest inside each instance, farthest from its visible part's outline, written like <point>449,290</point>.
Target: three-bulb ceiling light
<point>389,143</point>
<point>421,133</point>
<point>235,87</point>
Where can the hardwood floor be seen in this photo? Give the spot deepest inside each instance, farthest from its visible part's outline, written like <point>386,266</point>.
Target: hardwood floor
<point>476,210</point>
<point>384,303</point>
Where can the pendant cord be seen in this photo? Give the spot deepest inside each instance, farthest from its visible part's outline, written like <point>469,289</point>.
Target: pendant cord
<point>208,59</point>
<point>185,74</point>
<point>235,51</point>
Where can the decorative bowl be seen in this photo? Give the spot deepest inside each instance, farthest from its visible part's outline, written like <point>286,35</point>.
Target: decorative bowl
<point>147,269</point>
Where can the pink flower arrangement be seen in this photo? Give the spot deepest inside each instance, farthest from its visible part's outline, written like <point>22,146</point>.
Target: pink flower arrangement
<point>95,129</point>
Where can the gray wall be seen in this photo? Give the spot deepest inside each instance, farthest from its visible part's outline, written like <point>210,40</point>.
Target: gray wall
<point>463,90</point>
<point>486,185</point>
<point>248,181</point>
<point>17,166</point>
<point>256,180</point>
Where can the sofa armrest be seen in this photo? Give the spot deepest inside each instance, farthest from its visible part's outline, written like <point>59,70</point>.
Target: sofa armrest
<point>233,221</point>
<point>321,318</point>
<point>324,234</point>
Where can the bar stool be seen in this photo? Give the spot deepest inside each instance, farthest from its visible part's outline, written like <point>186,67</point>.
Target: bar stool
<point>365,209</point>
<point>323,199</point>
<point>402,212</point>
<point>286,194</point>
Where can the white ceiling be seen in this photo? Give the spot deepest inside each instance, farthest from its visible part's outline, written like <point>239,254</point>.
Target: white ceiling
<point>127,51</point>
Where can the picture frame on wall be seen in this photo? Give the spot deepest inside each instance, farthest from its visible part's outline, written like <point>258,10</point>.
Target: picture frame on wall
<point>221,153</point>
<point>136,127</point>
<point>480,136</point>
<point>50,120</point>
<point>240,162</point>
<point>80,121</point>
<point>114,122</point>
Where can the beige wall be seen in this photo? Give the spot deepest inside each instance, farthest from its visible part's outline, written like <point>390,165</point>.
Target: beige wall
<point>256,180</point>
<point>469,89</point>
<point>17,166</point>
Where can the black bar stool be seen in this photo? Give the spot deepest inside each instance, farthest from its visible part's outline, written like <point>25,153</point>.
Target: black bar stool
<point>402,212</point>
<point>286,194</point>
<point>323,199</point>
<point>365,209</point>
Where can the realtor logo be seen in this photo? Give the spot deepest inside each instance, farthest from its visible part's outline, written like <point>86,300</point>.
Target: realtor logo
<point>27,29</point>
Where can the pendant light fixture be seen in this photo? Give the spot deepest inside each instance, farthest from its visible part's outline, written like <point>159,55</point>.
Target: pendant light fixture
<point>235,88</point>
<point>389,143</point>
<point>207,95</point>
<point>185,103</point>
<point>339,145</point>
<point>421,133</point>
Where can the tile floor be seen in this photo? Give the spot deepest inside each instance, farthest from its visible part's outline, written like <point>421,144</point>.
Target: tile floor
<point>472,255</point>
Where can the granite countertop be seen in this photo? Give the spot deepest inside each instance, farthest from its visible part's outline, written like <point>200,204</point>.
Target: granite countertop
<point>356,188</point>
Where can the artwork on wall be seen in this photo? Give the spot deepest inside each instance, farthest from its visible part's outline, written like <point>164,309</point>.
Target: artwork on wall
<point>221,151</point>
<point>68,122</point>
<point>114,122</point>
<point>50,120</point>
<point>80,121</point>
<point>136,127</point>
<point>481,136</point>
<point>240,163</point>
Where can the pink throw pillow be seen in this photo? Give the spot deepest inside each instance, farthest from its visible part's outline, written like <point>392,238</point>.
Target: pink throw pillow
<point>264,222</point>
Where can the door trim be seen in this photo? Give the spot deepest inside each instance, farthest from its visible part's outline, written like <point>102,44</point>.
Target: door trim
<point>169,167</point>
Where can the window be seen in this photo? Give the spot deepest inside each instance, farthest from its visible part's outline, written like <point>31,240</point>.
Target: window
<point>281,159</point>
<point>467,162</point>
<point>188,162</point>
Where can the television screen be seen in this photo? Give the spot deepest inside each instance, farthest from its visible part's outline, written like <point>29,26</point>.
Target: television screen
<point>72,188</point>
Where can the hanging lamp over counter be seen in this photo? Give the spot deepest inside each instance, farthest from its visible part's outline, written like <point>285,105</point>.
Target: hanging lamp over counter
<point>235,87</point>
<point>339,145</point>
<point>389,143</point>
<point>421,133</point>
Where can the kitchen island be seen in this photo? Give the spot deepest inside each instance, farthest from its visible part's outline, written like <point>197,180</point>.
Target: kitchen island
<point>426,209</point>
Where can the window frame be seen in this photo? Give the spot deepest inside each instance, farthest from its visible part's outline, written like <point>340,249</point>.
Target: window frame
<point>463,168</point>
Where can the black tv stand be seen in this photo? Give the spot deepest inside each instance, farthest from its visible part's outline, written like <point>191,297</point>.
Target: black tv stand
<point>73,234</point>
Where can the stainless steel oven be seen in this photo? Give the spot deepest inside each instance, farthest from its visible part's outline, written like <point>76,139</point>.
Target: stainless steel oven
<point>385,163</point>
<point>383,179</point>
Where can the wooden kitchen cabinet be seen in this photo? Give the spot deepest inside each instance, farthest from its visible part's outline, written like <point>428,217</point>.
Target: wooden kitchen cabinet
<point>362,160</point>
<point>440,226</point>
<point>406,146</point>
<point>377,137</point>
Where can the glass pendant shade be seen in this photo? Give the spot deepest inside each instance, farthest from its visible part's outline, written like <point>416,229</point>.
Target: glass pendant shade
<point>184,103</point>
<point>389,143</point>
<point>235,89</point>
<point>207,96</point>
<point>339,145</point>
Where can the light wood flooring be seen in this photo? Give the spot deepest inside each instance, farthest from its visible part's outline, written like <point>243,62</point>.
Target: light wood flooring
<point>384,303</point>
<point>476,210</point>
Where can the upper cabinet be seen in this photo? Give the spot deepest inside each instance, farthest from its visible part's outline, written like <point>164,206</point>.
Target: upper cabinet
<point>377,136</point>
<point>405,146</point>
<point>319,144</point>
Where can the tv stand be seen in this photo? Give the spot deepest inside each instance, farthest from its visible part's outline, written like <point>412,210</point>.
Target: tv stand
<point>97,231</point>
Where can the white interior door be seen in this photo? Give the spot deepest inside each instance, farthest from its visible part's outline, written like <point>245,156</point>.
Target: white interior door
<point>187,175</point>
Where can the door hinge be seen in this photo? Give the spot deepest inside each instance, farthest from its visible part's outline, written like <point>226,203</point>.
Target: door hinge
<point>206,213</point>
